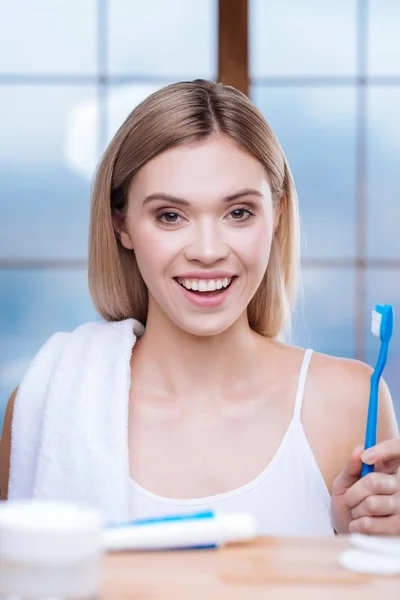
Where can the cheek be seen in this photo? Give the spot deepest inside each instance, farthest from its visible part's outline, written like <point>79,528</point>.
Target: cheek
<point>152,250</point>
<point>255,252</point>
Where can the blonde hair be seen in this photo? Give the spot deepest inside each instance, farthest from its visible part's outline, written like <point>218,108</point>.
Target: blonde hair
<point>179,114</point>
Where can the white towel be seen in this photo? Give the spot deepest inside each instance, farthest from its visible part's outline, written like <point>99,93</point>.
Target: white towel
<point>70,423</point>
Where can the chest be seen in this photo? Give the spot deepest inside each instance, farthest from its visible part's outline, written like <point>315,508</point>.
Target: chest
<point>203,453</point>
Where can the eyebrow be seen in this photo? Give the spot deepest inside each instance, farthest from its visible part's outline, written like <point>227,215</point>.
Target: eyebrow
<point>183,202</point>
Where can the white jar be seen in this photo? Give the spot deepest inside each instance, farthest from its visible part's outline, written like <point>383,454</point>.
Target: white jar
<point>49,550</point>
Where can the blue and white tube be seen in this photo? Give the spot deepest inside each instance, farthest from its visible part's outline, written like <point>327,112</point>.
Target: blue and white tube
<point>192,531</point>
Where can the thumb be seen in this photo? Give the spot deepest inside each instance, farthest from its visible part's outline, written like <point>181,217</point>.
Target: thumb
<point>350,473</point>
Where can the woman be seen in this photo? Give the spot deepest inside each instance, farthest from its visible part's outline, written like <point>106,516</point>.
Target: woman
<point>194,235</point>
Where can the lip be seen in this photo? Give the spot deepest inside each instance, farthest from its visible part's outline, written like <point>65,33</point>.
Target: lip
<point>206,275</point>
<point>207,301</point>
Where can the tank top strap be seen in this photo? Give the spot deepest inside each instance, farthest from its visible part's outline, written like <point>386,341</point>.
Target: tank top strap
<point>302,384</point>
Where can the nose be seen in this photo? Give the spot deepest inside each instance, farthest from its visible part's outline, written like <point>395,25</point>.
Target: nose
<point>207,244</point>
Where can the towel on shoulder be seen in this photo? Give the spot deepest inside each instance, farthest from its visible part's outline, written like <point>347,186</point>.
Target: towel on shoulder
<point>70,421</point>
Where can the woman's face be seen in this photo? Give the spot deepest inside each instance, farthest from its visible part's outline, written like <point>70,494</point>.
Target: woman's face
<point>200,217</point>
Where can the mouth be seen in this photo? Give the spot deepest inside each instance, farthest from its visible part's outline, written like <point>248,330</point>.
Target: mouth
<point>206,288</point>
<point>206,294</point>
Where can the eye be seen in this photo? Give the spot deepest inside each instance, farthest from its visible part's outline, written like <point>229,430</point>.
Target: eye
<point>241,214</point>
<point>168,217</point>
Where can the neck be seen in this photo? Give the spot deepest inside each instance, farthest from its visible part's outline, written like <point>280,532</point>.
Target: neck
<point>174,363</point>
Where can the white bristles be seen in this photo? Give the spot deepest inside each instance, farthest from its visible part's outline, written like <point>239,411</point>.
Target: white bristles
<point>376,323</point>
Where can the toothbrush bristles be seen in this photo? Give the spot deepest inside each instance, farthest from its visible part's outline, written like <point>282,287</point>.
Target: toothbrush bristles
<point>376,323</point>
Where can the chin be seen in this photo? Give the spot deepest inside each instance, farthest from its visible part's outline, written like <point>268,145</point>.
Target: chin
<point>206,326</point>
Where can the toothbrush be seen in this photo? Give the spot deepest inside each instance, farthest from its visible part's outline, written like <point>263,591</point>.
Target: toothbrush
<point>382,327</point>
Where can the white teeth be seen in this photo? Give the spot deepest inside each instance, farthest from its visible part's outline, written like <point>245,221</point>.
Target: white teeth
<point>202,285</point>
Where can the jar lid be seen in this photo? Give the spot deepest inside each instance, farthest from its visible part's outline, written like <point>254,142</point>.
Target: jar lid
<point>46,532</point>
<point>372,554</point>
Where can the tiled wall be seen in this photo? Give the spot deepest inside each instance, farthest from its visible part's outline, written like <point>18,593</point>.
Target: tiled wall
<point>325,74</point>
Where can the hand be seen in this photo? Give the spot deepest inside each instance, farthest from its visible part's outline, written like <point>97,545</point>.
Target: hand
<point>370,505</point>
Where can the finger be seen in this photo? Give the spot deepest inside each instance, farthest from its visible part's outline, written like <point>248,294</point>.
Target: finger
<point>349,474</point>
<point>390,466</point>
<point>377,506</point>
<point>376,525</point>
<point>382,452</point>
<point>371,485</point>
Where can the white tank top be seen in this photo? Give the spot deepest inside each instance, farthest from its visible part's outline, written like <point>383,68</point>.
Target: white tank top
<point>288,498</point>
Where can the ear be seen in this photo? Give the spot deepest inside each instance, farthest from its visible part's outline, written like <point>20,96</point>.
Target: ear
<point>125,240</point>
<point>121,234</point>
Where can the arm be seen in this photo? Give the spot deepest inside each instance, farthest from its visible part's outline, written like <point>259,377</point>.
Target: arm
<point>335,413</point>
<point>371,504</point>
<point>5,447</point>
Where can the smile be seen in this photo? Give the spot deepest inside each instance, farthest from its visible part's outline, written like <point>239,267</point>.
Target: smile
<point>208,293</point>
<point>202,285</point>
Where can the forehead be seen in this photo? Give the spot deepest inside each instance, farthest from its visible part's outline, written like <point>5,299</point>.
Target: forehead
<point>216,165</point>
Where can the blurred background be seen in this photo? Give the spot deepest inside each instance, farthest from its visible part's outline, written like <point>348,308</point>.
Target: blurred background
<point>326,75</point>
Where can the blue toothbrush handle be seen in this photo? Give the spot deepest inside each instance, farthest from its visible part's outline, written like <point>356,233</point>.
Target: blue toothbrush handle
<point>366,469</point>
<point>372,419</point>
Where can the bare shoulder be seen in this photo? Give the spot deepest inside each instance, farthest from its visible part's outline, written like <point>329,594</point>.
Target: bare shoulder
<point>5,447</point>
<point>335,410</point>
<point>344,385</point>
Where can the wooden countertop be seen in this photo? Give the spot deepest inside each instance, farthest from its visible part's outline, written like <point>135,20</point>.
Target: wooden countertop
<point>268,568</point>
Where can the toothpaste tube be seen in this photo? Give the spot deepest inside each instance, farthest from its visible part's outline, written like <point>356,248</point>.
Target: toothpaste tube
<point>183,532</point>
